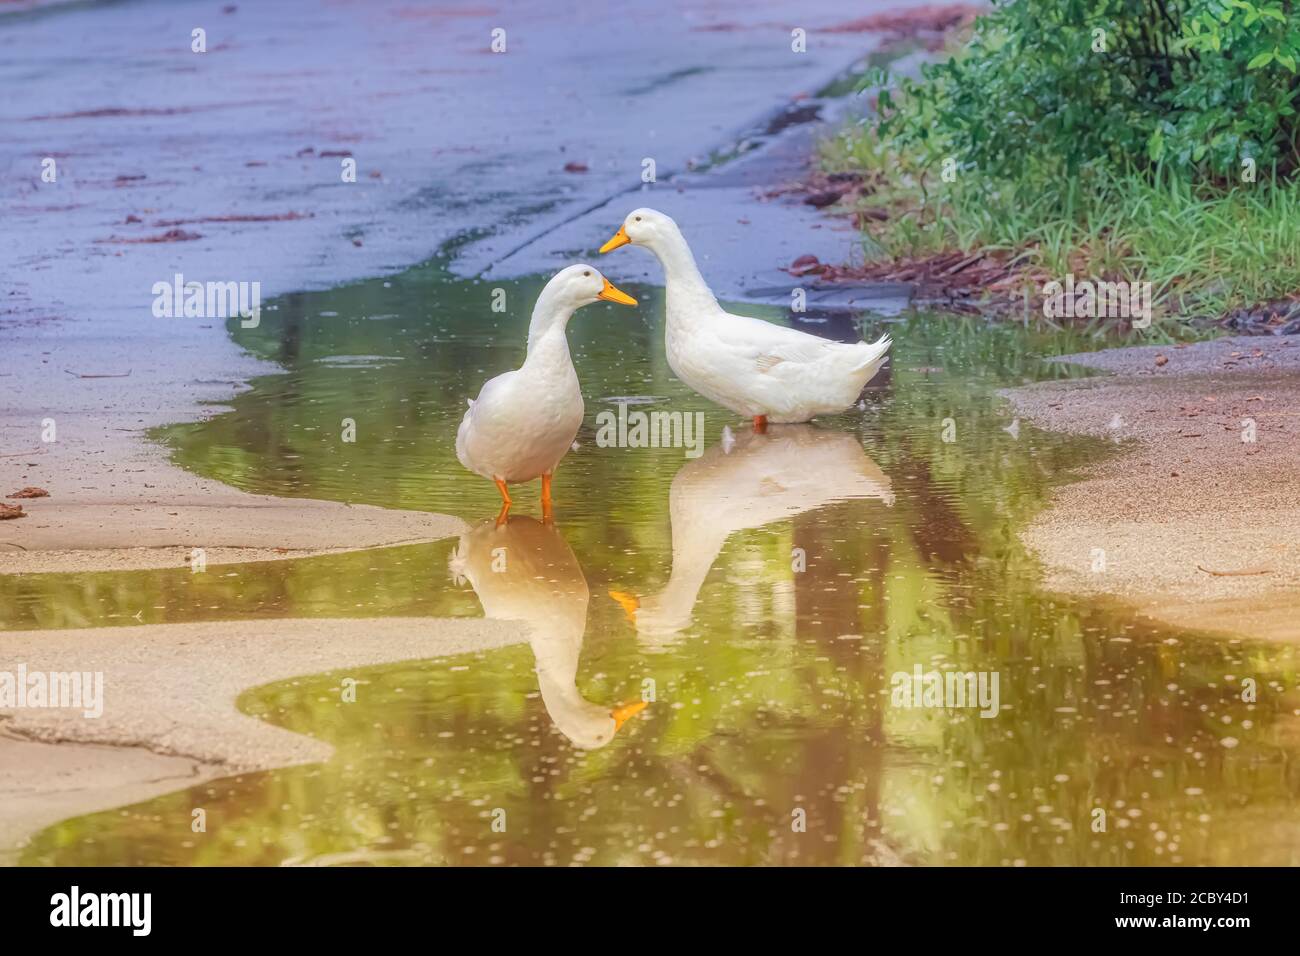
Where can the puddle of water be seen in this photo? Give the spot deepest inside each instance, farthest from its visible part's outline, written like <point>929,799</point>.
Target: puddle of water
<point>767,594</point>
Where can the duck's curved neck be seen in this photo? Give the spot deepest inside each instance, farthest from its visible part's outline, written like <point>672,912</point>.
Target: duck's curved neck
<point>562,699</point>
<point>557,676</point>
<point>682,277</point>
<point>549,316</point>
<point>695,549</point>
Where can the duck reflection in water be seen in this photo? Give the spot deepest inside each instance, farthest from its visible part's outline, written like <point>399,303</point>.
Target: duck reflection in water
<point>757,478</point>
<point>523,570</point>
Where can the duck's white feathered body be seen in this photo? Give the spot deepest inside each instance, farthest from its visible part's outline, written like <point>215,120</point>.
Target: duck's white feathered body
<point>757,368</point>
<point>752,367</point>
<point>523,422</point>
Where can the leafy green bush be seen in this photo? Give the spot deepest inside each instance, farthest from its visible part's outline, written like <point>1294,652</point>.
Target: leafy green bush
<point>1193,87</point>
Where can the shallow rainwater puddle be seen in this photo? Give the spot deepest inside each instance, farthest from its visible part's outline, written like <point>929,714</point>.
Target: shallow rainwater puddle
<point>765,594</point>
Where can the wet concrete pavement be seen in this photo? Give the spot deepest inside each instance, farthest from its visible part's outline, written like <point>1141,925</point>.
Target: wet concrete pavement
<point>228,165</point>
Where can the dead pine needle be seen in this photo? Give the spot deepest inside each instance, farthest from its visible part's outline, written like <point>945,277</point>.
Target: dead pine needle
<point>1249,572</point>
<point>99,374</point>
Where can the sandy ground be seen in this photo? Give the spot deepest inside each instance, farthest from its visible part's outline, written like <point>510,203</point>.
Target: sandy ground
<point>169,718</point>
<point>117,504</point>
<point>45,783</point>
<point>1200,528</point>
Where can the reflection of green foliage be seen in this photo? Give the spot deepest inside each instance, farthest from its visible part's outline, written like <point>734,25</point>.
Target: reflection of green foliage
<point>777,697</point>
<point>337,585</point>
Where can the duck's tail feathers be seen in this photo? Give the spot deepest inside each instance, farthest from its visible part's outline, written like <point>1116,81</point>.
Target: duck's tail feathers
<point>458,565</point>
<point>870,357</point>
<point>874,352</point>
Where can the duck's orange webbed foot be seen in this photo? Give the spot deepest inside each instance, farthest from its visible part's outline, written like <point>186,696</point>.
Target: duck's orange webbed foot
<point>630,603</point>
<point>505,502</point>
<point>760,424</point>
<point>548,512</point>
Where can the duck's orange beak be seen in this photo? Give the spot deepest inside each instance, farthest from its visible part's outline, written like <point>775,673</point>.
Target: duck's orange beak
<point>618,239</point>
<point>628,602</point>
<point>611,294</point>
<point>622,714</point>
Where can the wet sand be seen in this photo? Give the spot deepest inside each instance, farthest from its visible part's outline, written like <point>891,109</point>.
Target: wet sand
<point>117,504</point>
<point>45,783</point>
<point>1200,529</point>
<point>169,716</point>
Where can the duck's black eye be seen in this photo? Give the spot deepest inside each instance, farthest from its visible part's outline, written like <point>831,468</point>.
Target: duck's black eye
<point>638,218</point>
<point>586,273</point>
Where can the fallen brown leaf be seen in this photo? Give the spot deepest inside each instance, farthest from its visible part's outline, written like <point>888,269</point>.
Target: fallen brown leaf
<point>806,265</point>
<point>30,491</point>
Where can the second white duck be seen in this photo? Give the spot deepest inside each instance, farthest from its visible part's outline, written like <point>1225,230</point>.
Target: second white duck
<point>765,371</point>
<point>523,422</point>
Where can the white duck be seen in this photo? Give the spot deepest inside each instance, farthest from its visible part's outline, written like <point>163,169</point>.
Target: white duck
<point>765,477</point>
<point>523,422</point>
<point>755,368</point>
<point>525,571</point>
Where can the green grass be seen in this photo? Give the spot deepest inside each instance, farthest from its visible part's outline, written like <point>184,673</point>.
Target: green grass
<point>1205,250</point>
